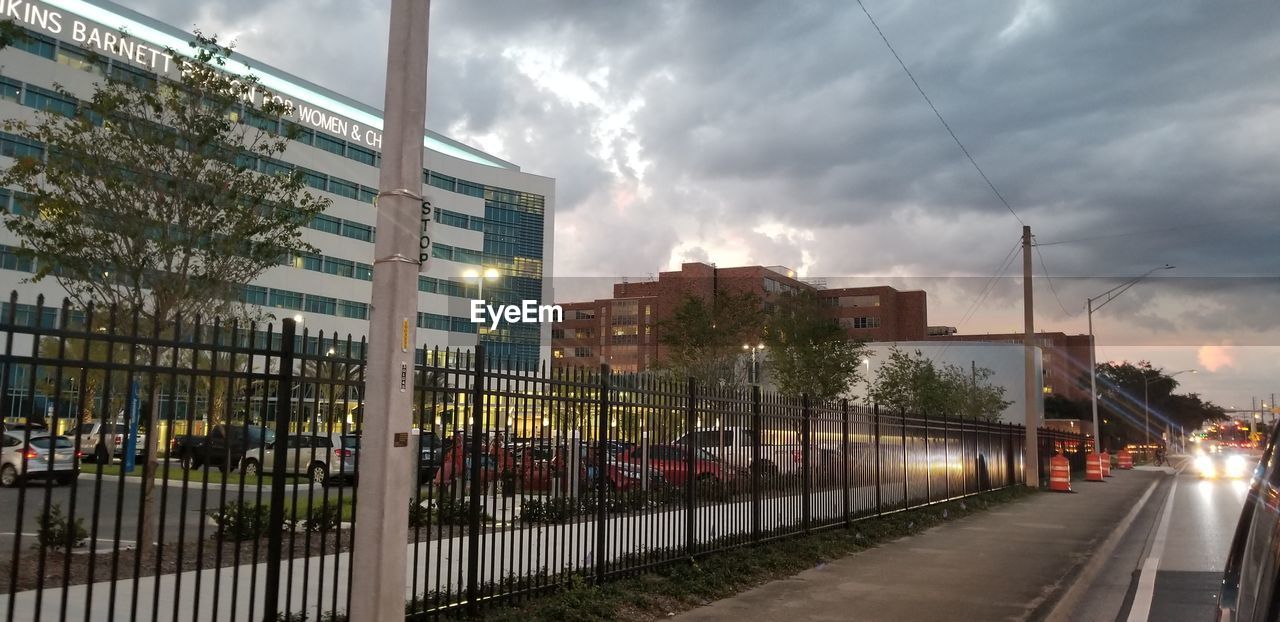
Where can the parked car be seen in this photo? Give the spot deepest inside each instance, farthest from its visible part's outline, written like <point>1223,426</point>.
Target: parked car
<point>105,443</point>
<point>734,446</point>
<point>1251,582</point>
<point>322,457</point>
<point>429,455</point>
<point>672,462</point>
<point>40,455</point>
<point>225,446</point>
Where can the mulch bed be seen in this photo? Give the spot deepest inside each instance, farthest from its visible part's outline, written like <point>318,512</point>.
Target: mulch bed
<point>212,554</point>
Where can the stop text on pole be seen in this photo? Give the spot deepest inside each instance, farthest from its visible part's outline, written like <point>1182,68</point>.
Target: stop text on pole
<point>424,236</point>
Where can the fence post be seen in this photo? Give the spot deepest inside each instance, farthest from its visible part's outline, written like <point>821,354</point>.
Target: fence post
<point>844,458</point>
<point>946,455</point>
<point>601,476</point>
<point>928,463</point>
<point>690,479</point>
<point>758,431</point>
<point>875,420</point>
<point>477,490</point>
<point>906,467</point>
<point>284,409</point>
<point>806,462</point>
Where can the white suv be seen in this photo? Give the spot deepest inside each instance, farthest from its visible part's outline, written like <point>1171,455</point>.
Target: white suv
<point>322,457</point>
<point>103,447</point>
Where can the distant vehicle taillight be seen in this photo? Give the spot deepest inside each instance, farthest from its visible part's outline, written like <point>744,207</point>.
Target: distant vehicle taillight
<point>343,453</point>
<point>119,439</point>
<point>30,454</point>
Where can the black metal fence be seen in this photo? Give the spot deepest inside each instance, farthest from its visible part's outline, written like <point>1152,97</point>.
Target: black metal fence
<point>527,478</point>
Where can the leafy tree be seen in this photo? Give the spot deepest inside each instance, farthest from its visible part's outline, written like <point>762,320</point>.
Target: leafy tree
<point>1120,389</point>
<point>1060,407</point>
<point>704,338</point>
<point>160,197</point>
<point>911,383</point>
<point>808,352</point>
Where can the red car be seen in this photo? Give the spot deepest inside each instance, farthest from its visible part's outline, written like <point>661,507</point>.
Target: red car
<point>672,462</point>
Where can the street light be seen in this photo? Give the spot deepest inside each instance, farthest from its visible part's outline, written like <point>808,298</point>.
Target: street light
<point>1108,295</point>
<point>489,273</point>
<point>1146,403</point>
<point>755,363</point>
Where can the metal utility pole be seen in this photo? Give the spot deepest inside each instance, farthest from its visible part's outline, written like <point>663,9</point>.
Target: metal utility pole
<point>1032,386</point>
<point>387,460</point>
<point>1105,297</point>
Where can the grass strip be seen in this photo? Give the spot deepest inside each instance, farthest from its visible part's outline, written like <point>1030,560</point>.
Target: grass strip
<point>680,587</point>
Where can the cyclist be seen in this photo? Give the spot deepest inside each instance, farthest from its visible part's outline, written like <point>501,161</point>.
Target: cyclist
<point>1159,455</point>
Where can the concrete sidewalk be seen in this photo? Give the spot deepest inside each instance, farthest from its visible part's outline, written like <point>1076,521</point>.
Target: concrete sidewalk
<point>1011,563</point>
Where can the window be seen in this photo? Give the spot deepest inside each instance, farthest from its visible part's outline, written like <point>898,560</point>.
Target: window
<point>862,322</point>
<point>254,295</point>
<point>441,251</point>
<point>452,219</point>
<point>327,224</point>
<point>557,353</point>
<point>777,287</point>
<point>301,134</point>
<point>581,314</point>
<point>331,145</point>
<point>360,154</point>
<point>9,260</point>
<point>286,299</point>
<point>367,194</point>
<point>340,267</point>
<point>321,304</point>
<point>351,309</point>
<point>441,181</point>
<point>433,321</point>
<point>314,179</point>
<point>357,231</point>
<point>466,255</point>
<point>342,188</point>
<point>582,352</point>
<point>557,333</point>
<point>307,261</point>
<point>583,333</point>
<point>364,271</point>
<point>51,101</point>
<point>37,44</point>
<point>10,90</point>
<point>859,301</point>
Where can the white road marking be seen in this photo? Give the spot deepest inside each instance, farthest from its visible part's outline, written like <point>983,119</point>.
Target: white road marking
<point>1147,580</point>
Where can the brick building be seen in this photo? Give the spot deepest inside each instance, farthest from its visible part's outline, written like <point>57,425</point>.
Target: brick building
<point>1065,359</point>
<point>624,330</point>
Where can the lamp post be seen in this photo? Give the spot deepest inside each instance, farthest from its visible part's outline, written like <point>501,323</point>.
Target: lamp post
<point>488,273</point>
<point>1106,297</point>
<point>755,362</point>
<point>1146,402</point>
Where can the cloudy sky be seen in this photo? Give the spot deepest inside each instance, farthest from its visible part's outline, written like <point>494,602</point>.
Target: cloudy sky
<point>1127,135</point>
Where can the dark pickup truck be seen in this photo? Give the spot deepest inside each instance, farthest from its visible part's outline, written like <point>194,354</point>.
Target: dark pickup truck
<point>224,447</point>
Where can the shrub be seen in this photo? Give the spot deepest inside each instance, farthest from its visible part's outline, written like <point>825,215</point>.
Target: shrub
<point>240,521</point>
<point>453,511</point>
<point>550,511</point>
<point>419,516</point>
<point>324,518</point>
<point>55,529</point>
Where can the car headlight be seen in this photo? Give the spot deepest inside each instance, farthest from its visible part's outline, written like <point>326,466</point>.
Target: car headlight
<point>1236,466</point>
<point>1204,464</point>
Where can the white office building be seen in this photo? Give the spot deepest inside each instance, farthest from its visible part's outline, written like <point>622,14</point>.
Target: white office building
<point>489,213</point>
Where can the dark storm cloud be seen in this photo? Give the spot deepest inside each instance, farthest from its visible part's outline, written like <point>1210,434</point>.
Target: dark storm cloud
<point>1140,133</point>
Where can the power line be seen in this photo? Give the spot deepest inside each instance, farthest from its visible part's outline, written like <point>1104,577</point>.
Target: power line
<point>990,284</point>
<point>1148,231</point>
<point>1045,269</point>
<point>939,114</point>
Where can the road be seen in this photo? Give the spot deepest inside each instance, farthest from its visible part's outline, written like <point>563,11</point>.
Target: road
<point>179,516</point>
<point>1168,566</point>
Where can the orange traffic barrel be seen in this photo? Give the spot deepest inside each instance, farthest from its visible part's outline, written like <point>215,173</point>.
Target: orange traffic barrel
<point>1125,459</point>
<point>1106,464</point>
<point>1093,467</point>
<point>1059,474</point>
